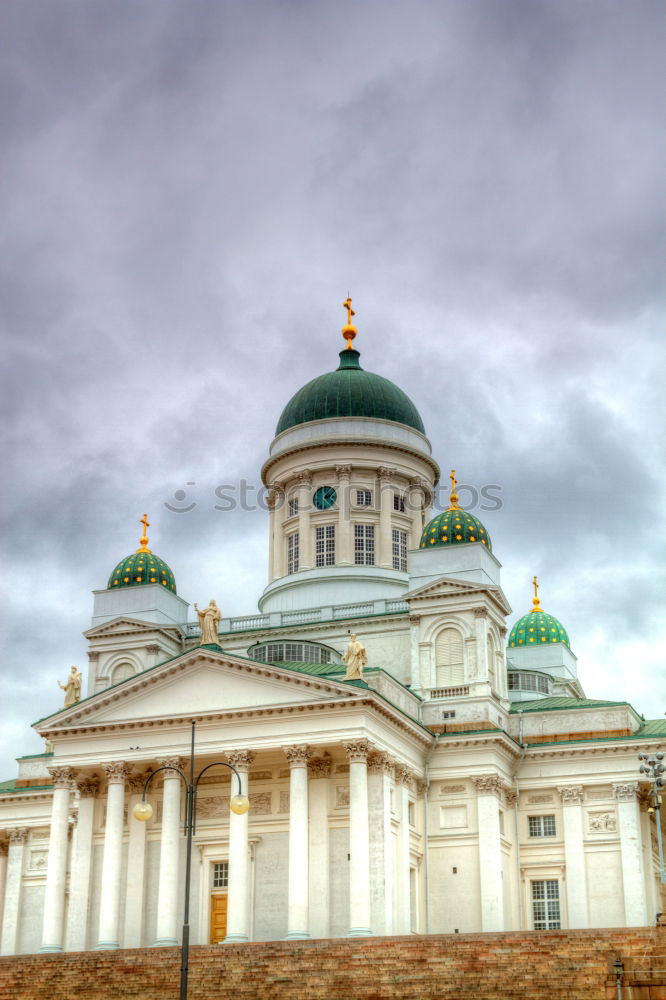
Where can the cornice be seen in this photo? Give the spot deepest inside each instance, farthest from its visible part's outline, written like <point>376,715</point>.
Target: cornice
<point>482,739</point>
<point>336,443</point>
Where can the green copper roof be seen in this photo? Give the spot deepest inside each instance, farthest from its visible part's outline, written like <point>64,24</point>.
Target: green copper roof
<point>453,527</point>
<point>349,392</point>
<point>561,702</point>
<point>140,568</point>
<point>537,628</point>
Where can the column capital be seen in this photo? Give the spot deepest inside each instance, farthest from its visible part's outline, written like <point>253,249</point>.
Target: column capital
<point>403,776</point>
<point>135,782</point>
<point>18,835</point>
<point>305,477</point>
<point>152,648</point>
<point>415,619</point>
<point>62,777</point>
<point>275,495</point>
<point>116,772</point>
<point>173,763</point>
<point>343,471</point>
<point>488,784</point>
<point>319,767</point>
<point>571,794</point>
<point>480,612</point>
<point>381,763</point>
<point>385,472</point>
<point>511,796</point>
<point>88,787</point>
<point>358,750</point>
<point>93,654</point>
<point>625,792</point>
<point>240,759</point>
<point>298,755</point>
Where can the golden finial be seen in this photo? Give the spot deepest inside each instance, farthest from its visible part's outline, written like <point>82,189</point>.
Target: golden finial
<point>349,331</point>
<point>453,499</point>
<point>535,599</point>
<point>144,538</point>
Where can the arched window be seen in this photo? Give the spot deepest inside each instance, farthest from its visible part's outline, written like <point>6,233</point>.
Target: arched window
<point>122,672</point>
<point>449,658</point>
<point>490,645</point>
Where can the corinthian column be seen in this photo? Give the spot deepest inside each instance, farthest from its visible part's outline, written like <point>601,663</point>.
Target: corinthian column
<point>109,908</point>
<point>359,838</point>
<point>404,779</point>
<point>631,851</point>
<point>305,543</point>
<point>297,907</point>
<point>319,769</point>
<point>345,556</point>
<point>385,553</point>
<point>381,770</point>
<point>79,895</point>
<point>488,790</point>
<point>13,886</point>
<point>56,872</point>
<point>238,911</point>
<point>574,854</point>
<point>167,893</point>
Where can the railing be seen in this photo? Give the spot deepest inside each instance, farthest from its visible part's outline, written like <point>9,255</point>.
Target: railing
<point>303,616</point>
<point>453,692</point>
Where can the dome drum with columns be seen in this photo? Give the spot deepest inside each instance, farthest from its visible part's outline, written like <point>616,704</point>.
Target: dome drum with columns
<point>386,727</point>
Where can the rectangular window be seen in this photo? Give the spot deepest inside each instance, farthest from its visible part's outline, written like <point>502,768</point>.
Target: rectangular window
<point>292,552</point>
<point>364,498</point>
<point>399,550</point>
<point>293,508</point>
<point>398,503</point>
<point>541,826</point>
<point>221,875</point>
<point>364,544</point>
<point>325,545</point>
<point>546,904</point>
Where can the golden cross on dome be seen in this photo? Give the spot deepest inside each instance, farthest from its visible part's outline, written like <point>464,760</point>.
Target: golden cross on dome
<point>143,541</point>
<point>349,331</point>
<point>453,499</point>
<point>535,599</point>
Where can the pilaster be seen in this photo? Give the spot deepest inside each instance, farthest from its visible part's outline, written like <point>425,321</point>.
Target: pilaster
<point>305,540</point>
<point>631,850</point>
<point>404,781</point>
<point>574,854</point>
<point>488,791</point>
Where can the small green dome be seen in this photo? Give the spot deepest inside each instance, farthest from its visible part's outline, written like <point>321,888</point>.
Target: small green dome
<point>537,628</point>
<point>142,567</point>
<point>349,392</point>
<point>453,527</point>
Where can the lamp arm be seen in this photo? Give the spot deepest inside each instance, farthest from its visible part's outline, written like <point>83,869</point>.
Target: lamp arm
<point>223,763</point>
<point>157,771</point>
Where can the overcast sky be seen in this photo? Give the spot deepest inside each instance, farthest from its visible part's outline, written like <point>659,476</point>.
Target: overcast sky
<point>190,189</point>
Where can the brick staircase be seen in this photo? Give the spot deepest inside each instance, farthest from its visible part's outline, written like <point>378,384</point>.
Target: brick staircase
<point>550,965</point>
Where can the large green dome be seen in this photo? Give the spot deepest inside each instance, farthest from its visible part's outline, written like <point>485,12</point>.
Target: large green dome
<point>453,527</point>
<point>142,567</point>
<point>537,628</point>
<point>349,392</point>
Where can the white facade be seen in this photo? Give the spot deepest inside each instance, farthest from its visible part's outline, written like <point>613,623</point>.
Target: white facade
<point>438,795</point>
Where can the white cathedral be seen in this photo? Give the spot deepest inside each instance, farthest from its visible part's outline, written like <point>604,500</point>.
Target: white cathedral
<point>455,780</point>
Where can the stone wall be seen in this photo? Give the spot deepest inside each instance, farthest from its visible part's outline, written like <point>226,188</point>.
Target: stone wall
<point>557,965</point>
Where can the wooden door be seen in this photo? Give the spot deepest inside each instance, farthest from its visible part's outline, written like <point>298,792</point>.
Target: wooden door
<point>218,917</point>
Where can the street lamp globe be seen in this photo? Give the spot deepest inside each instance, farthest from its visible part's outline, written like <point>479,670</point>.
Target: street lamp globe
<point>239,804</point>
<point>143,811</point>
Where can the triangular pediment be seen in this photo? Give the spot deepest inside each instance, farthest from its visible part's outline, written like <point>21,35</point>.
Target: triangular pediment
<point>127,626</point>
<point>449,587</point>
<point>199,682</point>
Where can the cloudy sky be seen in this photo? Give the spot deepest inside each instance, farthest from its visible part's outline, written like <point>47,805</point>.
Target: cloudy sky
<point>189,191</point>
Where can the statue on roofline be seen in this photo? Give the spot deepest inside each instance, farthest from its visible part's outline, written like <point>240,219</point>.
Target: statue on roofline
<point>209,619</point>
<point>355,658</point>
<point>72,687</point>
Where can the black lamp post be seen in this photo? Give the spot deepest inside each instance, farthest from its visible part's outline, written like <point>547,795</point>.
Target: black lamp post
<point>654,767</point>
<point>143,810</point>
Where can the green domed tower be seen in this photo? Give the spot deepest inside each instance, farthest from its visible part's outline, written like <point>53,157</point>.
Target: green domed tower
<point>454,525</point>
<point>142,567</point>
<point>537,627</point>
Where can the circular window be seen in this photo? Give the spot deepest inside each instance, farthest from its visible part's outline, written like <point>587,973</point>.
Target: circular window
<point>324,497</point>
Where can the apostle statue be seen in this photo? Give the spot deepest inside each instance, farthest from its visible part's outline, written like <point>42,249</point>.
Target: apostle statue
<point>72,687</point>
<point>356,658</point>
<point>209,619</point>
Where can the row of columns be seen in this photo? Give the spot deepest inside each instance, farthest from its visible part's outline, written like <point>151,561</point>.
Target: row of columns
<point>371,861</point>
<point>419,495</point>
<point>489,790</point>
